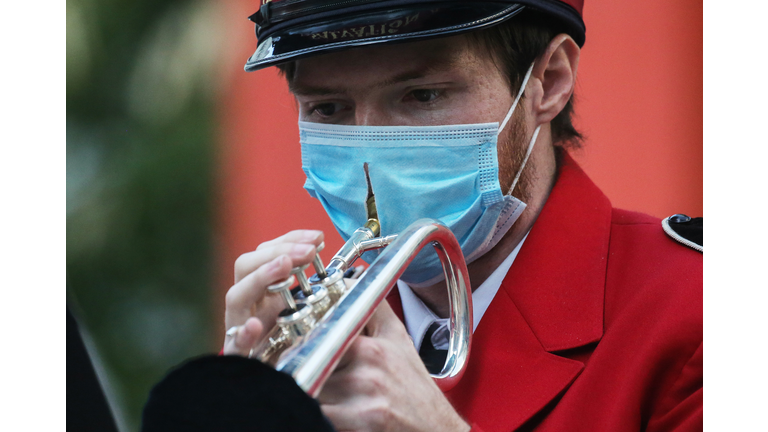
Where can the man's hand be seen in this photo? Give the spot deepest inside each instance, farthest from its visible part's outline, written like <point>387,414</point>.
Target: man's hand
<point>381,384</point>
<point>247,306</point>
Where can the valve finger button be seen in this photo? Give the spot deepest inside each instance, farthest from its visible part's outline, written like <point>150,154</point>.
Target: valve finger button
<point>284,288</point>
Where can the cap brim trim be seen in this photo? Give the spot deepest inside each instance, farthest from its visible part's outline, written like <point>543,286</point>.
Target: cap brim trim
<point>266,59</point>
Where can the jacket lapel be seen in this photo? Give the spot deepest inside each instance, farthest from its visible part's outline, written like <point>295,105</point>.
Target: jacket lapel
<point>508,364</point>
<point>557,281</point>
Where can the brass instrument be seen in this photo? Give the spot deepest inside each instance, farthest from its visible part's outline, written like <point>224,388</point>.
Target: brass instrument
<point>323,318</point>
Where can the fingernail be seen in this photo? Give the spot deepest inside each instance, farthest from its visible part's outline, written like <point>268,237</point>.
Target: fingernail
<point>302,249</point>
<point>275,263</point>
<point>311,235</point>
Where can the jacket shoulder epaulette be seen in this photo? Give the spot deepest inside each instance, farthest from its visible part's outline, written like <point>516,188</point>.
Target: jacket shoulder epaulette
<point>685,230</point>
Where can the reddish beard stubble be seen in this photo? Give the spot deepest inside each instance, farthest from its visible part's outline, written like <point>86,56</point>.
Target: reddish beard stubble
<point>511,152</point>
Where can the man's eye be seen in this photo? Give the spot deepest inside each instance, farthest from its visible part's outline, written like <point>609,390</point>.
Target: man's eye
<point>327,109</point>
<point>424,95</point>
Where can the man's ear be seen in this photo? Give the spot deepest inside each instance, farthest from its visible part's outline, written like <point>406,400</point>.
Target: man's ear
<point>556,72</point>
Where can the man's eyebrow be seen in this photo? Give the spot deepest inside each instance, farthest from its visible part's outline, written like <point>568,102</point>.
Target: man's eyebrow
<point>434,66</point>
<point>311,90</point>
<point>404,76</point>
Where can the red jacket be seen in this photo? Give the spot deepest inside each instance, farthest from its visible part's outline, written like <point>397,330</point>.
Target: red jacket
<point>596,327</point>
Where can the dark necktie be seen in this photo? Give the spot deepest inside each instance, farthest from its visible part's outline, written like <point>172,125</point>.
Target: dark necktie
<point>434,359</point>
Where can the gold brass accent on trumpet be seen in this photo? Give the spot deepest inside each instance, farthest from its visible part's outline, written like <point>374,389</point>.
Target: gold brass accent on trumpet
<point>370,206</point>
<point>323,318</point>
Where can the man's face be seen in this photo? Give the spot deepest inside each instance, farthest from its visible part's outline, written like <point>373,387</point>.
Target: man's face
<point>435,82</point>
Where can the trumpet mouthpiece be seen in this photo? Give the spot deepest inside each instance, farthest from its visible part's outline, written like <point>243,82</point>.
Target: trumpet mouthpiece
<point>370,205</point>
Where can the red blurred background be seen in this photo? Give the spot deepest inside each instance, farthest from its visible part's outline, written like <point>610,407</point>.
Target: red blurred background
<point>639,105</point>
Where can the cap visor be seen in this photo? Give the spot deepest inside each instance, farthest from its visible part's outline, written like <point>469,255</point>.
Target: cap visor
<point>291,40</point>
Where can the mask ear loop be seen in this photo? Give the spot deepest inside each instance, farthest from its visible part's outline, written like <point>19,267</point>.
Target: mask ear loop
<point>517,99</point>
<point>525,160</point>
<point>535,133</point>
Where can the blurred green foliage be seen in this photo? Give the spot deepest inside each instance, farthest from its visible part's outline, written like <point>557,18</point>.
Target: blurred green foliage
<point>140,164</point>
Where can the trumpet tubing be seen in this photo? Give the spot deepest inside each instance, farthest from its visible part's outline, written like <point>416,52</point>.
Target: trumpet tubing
<point>315,330</point>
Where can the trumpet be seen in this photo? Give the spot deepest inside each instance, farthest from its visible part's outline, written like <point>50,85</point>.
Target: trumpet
<point>322,318</point>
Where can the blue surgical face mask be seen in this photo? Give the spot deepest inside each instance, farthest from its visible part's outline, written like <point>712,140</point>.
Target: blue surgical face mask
<point>449,173</point>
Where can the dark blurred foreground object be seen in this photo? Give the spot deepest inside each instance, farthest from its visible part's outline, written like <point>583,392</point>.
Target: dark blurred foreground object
<point>87,408</point>
<point>230,394</point>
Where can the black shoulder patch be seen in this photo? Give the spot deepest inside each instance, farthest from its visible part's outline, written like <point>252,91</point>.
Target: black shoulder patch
<point>686,230</point>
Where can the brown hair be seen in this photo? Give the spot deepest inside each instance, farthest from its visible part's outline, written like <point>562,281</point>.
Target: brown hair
<point>515,44</point>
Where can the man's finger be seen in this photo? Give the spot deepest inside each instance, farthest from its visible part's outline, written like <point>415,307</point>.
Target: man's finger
<point>299,253</point>
<point>337,388</point>
<point>343,417</point>
<point>297,236</point>
<point>384,323</point>
<point>252,288</point>
<point>243,338</point>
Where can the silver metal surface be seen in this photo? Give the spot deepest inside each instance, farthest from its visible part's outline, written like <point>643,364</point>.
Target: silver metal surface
<point>333,282</point>
<point>284,288</point>
<point>319,300</point>
<point>299,322</point>
<point>302,277</point>
<point>317,263</point>
<point>351,250</point>
<point>292,324</point>
<point>313,360</point>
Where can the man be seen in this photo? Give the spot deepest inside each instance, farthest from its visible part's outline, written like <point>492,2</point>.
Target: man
<point>586,317</point>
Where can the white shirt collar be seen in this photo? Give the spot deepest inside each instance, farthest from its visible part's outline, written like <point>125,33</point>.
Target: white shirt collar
<point>418,317</point>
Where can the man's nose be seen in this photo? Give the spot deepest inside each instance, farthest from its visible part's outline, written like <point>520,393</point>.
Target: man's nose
<point>371,115</point>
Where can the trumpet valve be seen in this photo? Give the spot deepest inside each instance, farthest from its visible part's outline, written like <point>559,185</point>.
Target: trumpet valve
<point>333,282</point>
<point>291,325</point>
<point>319,300</point>
<point>297,322</point>
<point>318,263</point>
<point>303,282</point>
